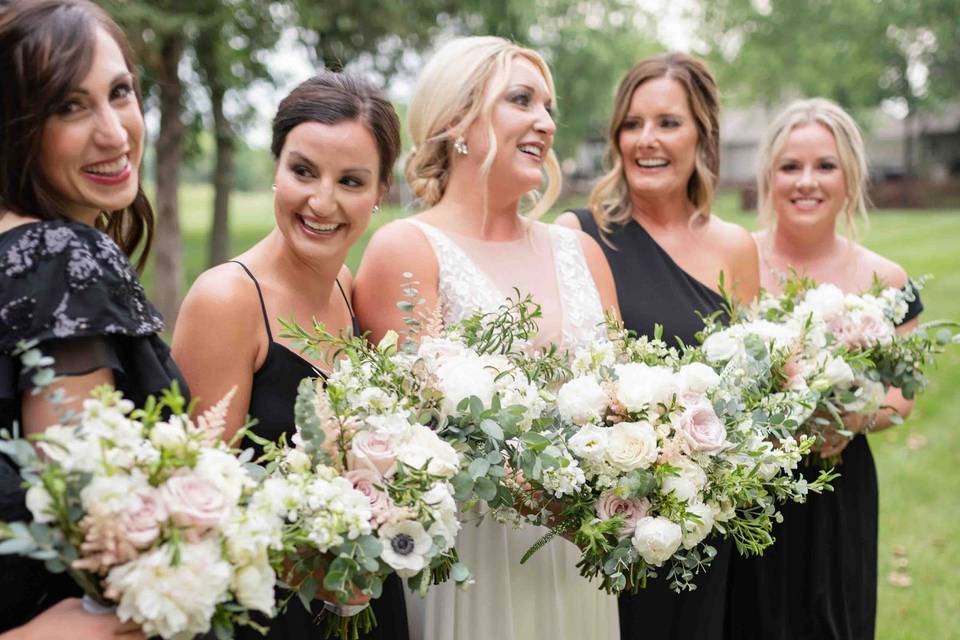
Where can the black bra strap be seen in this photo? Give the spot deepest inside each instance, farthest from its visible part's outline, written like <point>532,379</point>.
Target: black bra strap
<point>263,307</point>
<point>346,300</point>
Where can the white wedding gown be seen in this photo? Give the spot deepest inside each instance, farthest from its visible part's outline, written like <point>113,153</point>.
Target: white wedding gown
<point>545,598</point>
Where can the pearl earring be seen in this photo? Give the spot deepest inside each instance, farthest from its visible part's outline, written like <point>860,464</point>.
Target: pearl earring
<point>376,208</point>
<point>460,146</point>
<point>273,187</point>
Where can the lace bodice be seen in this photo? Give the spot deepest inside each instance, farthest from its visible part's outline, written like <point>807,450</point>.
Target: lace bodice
<point>464,287</point>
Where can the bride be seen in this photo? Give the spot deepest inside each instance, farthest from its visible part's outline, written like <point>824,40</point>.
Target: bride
<point>482,124</point>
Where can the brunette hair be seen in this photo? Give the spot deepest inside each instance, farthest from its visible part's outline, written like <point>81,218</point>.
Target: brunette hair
<point>46,49</point>
<point>610,199</point>
<point>331,98</point>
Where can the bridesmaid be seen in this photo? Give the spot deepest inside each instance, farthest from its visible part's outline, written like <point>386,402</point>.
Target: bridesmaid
<point>651,214</point>
<point>335,141</point>
<point>819,581</point>
<point>483,128</point>
<point>72,214</point>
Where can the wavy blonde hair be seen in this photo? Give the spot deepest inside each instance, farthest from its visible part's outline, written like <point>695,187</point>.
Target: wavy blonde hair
<point>610,199</point>
<point>460,85</point>
<point>853,157</point>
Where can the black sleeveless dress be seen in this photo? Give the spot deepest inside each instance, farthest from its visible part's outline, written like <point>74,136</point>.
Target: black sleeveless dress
<point>272,398</point>
<point>819,579</point>
<point>653,289</point>
<point>69,287</point>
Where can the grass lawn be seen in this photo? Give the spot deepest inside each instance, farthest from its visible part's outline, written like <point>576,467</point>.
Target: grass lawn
<point>918,463</point>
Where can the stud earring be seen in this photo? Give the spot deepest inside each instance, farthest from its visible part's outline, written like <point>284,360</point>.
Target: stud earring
<point>376,208</point>
<point>273,187</point>
<point>460,146</point>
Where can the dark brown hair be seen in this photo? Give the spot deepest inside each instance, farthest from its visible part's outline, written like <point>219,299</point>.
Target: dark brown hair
<point>46,49</point>
<point>331,98</point>
<point>610,200</point>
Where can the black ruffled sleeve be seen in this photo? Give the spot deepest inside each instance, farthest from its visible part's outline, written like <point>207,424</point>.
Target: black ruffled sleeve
<point>914,305</point>
<point>69,287</point>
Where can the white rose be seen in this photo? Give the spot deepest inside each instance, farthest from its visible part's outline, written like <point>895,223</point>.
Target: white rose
<point>632,445</point>
<point>590,442</point>
<point>836,373</point>
<point>656,539</point>
<point>581,400</point>
<point>168,435</point>
<point>641,387</point>
<point>826,301</point>
<point>225,472</point>
<point>695,532</point>
<point>253,587</point>
<point>297,460</point>
<point>374,451</point>
<point>424,449</point>
<point>39,503</point>
<point>722,346</point>
<point>688,484</point>
<point>464,376</point>
<point>697,377</point>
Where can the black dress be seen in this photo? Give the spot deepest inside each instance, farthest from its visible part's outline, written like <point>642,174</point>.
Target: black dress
<point>69,287</point>
<point>819,579</point>
<point>653,289</point>
<point>272,397</point>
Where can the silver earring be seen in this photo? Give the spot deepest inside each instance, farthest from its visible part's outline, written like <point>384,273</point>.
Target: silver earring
<point>273,187</point>
<point>376,208</point>
<point>460,146</point>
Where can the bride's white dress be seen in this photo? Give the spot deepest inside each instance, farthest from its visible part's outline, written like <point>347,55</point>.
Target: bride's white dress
<point>545,598</point>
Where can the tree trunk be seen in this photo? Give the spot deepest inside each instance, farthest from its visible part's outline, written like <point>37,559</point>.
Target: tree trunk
<point>219,245</point>
<point>168,246</point>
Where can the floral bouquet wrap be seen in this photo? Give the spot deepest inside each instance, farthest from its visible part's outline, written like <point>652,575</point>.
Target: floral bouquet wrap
<point>148,510</point>
<point>839,352</point>
<point>665,455</point>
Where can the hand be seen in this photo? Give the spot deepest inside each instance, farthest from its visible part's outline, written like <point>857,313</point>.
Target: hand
<point>833,443</point>
<point>68,619</point>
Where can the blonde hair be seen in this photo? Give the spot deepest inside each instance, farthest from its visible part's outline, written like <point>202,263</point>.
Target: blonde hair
<point>610,199</point>
<point>853,157</point>
<point>460,85</point>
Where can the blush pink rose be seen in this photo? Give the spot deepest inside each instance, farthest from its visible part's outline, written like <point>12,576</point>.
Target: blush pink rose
<point>632,509</point>
<point>867,330</point>
<point>142,525</point>
<point>365,481</point>
<point>194,502</point>
<point>374,452</point>
<point>701,429</point>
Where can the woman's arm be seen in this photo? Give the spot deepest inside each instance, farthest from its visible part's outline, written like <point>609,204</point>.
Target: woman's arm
<point>394,250</point>
<point>602,275</point>
<point>67,619</point>
<point>38,413</point>
<point>218,340</point>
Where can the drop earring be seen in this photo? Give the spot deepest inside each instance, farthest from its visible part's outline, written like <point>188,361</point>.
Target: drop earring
<point>460,146</point>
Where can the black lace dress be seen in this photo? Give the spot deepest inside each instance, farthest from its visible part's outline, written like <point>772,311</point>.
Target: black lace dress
<point>68,287</point>
<point>652,289</point>
<point>819,579</point>
<point>272,399</point>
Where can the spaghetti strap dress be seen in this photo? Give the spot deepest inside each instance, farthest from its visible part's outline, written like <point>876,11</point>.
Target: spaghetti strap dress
<point>272,398</point>
<point>654,290</point>
<point>819,579</point>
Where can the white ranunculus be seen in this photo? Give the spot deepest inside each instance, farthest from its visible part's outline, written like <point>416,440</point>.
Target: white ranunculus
<point>688,484</point>
<point>722,346</point>
<point>697,377</point>
<point>423,449</point>
<point>405,546</point>
<point>39,503</point>
<point>825,301</point>
<point>253,586</point>
<point>656,539</point>
<point>590,442</point>
<point>640,387</point>
<point>464,376</point>
<point>695,532</point>
<point>632,445</point>
<point>581,400</point>
<point>167,600</point>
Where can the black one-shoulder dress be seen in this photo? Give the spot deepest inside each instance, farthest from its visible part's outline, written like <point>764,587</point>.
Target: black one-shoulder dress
<point>71,289</point>
<point>653,290</point>
<point>272,398</point>
<point>819,579</point>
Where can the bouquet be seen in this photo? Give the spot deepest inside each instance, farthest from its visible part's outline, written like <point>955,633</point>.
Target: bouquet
<point>149,511</point>
<point>667,455</point>
<point>840,351</point>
